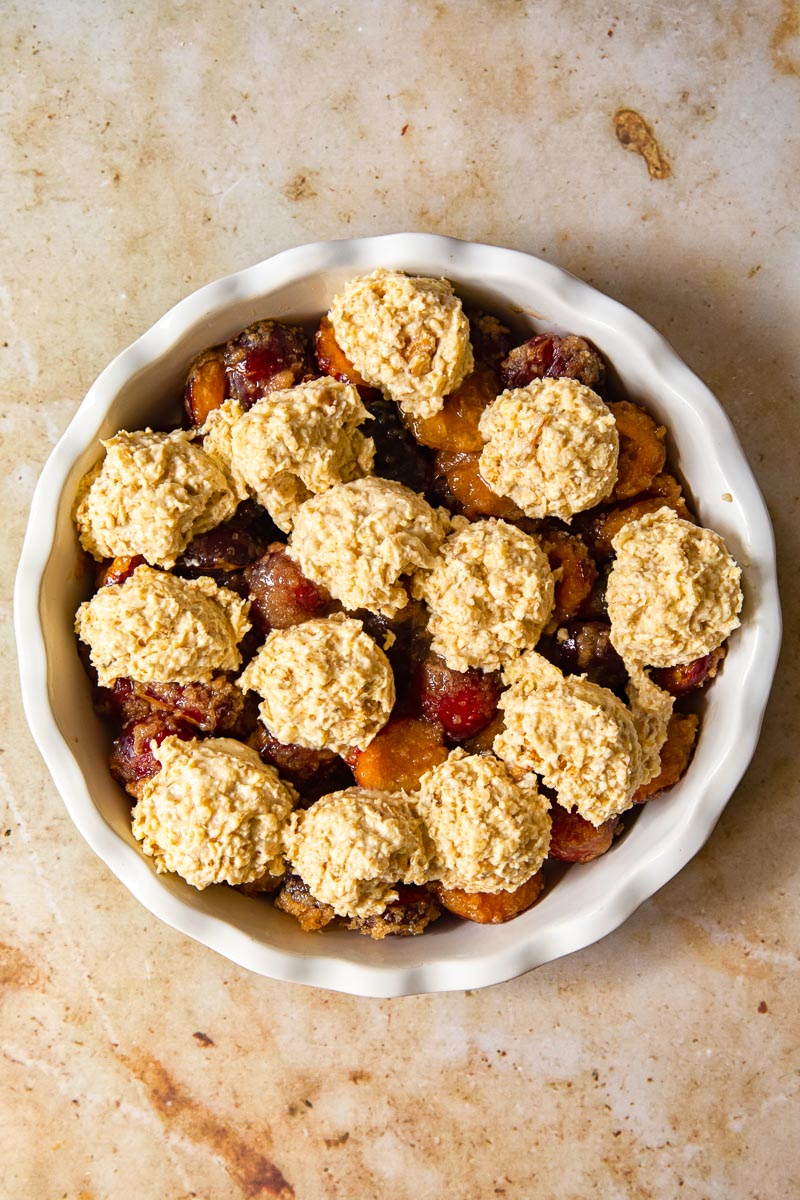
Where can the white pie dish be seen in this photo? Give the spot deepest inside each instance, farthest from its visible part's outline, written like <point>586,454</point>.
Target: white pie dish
<point>589,901</point>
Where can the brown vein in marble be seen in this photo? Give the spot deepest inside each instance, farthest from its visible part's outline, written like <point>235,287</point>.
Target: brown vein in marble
<point>68,941</point>
<point>786,30</point>
<point>251,1170</point>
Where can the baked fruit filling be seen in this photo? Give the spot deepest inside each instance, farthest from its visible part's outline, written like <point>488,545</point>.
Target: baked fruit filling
<point>408,614</point>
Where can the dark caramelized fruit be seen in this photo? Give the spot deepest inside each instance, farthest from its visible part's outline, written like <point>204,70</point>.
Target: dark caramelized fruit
<point>549,355</point>
<point>268,356</point>
<point>279,593</point>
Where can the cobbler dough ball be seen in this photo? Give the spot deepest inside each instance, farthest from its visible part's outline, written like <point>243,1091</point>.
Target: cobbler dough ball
<point>152,493</point>
<point>651,709</point>
<point>406,335</point>
<point>214,813</point>
<point>157,628</point>
<point>673,593</point>
<point>489,833</point>
<point>358,539</point>
<point>324,684</point>
<point>551,447</point>
<point>490,595</point>
<point>352,847</point>
<point>295,443</point>
<point>579,737</point>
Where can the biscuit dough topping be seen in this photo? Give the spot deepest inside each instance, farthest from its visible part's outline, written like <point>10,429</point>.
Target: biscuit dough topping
<point>299,442</point>
<point>551,447</point>
<point>673,593</point>
<point>578,736</point>
<point>490,595</point>
<point>152,493</point>
<point>217,433</point>
<point>157,628</point>
<point>353,846</point>
<point>406,335</point>
<point>358,539</point>
<point>489,833</point>
<point>214,813</point>
<point>324,684</point>
<point>651,709</point>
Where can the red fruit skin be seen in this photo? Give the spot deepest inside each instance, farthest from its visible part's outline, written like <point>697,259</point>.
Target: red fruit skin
<point>463,702</point>
<point>689,677</point>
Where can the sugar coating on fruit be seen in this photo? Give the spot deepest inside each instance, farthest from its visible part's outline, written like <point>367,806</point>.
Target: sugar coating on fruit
<point>359,539</point>
<point>490,593</point>
<point>324,684</point>
<point>489,832</point>
<point>298,442</point>
<point>674,591</point>
<point>579,737</point>
<point>151,494</point>
<point>352,847</point>
<point>551,447</point>
<point>651,709</point>
<point>407,335</point>
<point>157,628</point>
<point>214,813</point>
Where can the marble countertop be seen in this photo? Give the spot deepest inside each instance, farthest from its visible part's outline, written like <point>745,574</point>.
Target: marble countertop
<point>647,148</point>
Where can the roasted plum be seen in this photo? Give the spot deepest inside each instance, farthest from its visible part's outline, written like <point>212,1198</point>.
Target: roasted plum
<point>550,355</point>
<point>400,755</point>
<point>490,908</point>
<point>689,676</point>
<point>230,546</point>
<point>574,839</point>
<point>408,915</point>
<point>279,593</point>
<point>491,339</point>
<point>467,491</point>
<point>118,570</point>
<point>455,427</point>
<point>462,702</point>
<point>600,526</point>
<point>584,648</point>
<point>312,772</point>
<point>218,706</point>
<point>398,455</point>
<point>567,554</point>
<point>295,899</point>
<point>642,452</point>
<point>266,357</point>
<point>332,360</point>
<point>132,760</point>
<point>403,638</point>
<point>676,754</point>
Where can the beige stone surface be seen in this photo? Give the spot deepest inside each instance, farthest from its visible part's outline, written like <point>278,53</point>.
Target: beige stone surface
<point>149,148</point>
